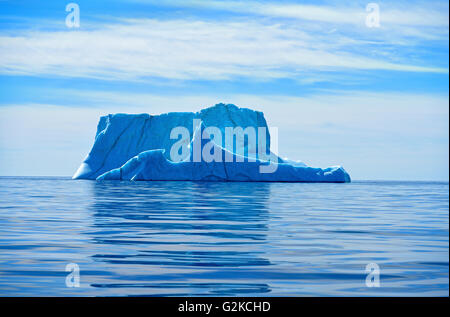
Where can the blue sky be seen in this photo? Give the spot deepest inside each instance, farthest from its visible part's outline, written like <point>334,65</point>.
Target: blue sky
<point>373,99</point>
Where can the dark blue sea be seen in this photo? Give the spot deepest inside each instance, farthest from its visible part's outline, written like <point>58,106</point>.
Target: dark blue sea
<point>222,239</point>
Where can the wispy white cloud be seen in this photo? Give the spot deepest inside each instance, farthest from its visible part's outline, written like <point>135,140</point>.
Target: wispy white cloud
<point>182,49</point>
<point>401,22</point>
<point>406,13</point>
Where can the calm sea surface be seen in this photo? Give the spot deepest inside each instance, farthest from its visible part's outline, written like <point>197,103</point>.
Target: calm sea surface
<point>222,239</point>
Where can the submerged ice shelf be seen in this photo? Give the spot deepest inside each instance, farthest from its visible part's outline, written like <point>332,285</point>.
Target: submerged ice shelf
<point>189,146</point>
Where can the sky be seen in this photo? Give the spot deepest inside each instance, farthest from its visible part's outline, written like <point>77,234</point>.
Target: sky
<point>341,88</point>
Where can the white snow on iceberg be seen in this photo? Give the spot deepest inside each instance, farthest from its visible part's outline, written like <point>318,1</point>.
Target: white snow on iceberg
<point>138,147</point>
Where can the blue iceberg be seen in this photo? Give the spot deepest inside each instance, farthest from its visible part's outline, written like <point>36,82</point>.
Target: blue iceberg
<point>187,146</point>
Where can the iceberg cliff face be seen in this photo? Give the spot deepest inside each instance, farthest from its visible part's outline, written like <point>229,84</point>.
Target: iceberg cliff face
<point>140,147</point>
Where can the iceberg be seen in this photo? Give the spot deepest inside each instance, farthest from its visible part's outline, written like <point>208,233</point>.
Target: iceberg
<point>143,147</point>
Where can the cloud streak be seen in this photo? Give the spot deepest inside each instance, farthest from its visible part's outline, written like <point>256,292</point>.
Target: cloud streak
<point>136,49</point>
<point>354,13</point>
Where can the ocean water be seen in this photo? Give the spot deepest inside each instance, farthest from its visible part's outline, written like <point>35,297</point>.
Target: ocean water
<point>223,239</point>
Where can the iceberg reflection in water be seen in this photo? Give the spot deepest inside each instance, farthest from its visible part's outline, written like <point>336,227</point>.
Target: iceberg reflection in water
<point>214,238</point>
<point>192,229</point>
